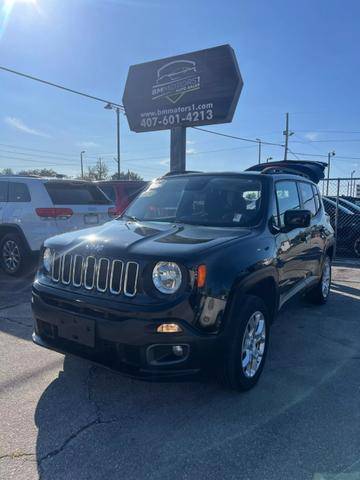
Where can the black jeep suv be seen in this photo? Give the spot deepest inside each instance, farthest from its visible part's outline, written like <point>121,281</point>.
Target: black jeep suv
<point>190,277</point>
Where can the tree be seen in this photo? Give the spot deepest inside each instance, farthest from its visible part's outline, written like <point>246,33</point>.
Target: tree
<point>100,171</point>
<point>41,172</point>
<point>6,171</point>
<point>127,176</point>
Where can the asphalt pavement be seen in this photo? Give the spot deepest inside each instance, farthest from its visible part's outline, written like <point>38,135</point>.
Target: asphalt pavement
<point>64,418</point>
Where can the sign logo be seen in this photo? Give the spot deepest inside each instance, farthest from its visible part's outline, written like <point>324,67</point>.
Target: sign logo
<point>175,79</point>
<point>95,247</point>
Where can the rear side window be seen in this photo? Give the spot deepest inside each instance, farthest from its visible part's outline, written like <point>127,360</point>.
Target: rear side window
<point>3,191</point>
<point>307,195</point>
<point>317,198</point>
<point>62,193</point>
<point>19,192</point>
<point>109,191</point>
<point>287,197</point>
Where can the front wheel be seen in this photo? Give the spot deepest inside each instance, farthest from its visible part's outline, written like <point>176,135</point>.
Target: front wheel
<point>245,357</point>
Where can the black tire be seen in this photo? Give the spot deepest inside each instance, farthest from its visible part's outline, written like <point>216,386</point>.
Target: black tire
<point>17,264</point>
<point>319,295</point>
<point>234,373</point>
<point>357,247</point>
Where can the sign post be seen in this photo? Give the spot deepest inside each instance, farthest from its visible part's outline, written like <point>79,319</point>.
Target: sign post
<point>194,89</point>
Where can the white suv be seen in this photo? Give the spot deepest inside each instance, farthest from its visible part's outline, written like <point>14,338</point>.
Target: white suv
<point>33,209</point>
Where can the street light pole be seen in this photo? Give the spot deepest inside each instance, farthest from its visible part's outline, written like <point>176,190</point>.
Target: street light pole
<point>110,106</point>
<point>82,163</point>
<point>118,139</point>
<point>330,154</point>
<point>259,140</point>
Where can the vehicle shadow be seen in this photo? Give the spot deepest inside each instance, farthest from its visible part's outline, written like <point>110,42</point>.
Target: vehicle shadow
<point>94,423</point>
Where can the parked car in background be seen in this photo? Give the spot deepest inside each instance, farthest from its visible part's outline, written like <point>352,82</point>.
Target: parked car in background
<point>121,192</point>
<point>349,205</point>
<point>348,226</point>
<point>190,277</point>
<point>354,200</point>
<point>34,209</point>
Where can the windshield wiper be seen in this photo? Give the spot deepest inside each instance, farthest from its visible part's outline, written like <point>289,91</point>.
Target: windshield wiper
<point>130,217</point>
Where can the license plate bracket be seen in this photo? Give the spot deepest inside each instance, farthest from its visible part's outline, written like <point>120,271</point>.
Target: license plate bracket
<point>79,330</point>
<point>91,219</point>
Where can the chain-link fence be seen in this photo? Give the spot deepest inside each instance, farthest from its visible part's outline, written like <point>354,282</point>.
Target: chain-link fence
<point>341,198</point>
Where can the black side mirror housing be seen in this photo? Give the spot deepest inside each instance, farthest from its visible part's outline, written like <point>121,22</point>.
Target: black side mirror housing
<point>297,219</point>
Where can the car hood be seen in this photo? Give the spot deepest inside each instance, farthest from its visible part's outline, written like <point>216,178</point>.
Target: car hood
<point>138,239</point>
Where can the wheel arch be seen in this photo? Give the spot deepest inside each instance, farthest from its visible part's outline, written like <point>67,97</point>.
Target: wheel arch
<point>7,228</point>
<point>262,284</point>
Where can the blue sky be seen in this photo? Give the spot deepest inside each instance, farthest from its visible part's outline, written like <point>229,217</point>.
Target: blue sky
<point>297,56</point>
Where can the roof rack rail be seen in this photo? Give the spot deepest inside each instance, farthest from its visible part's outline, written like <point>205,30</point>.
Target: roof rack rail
<point>314,171</point>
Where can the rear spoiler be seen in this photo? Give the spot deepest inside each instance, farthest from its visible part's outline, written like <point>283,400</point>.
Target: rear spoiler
<point>314,171</point>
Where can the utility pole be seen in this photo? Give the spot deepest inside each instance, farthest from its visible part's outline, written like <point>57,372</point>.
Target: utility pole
<point>330,154</point>
<point>259,140</point>
<point>118,139</point>
<point>82,163</point>
<point>110,106</point>
<point>287,134</point>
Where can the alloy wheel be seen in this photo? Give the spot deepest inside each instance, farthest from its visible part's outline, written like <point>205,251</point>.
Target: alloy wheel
<point>253,344</point>
<point>11,256</point>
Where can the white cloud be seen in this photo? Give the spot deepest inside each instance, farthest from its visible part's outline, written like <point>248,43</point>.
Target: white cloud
<point>164,161</point>
<point>190,142</point>
<point>18,124</point>
<point>190,151</point>
<point>88,144</point>
<point>311,136</point>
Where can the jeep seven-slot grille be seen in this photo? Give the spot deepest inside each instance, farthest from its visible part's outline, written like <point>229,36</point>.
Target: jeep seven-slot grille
<point>91,273</point>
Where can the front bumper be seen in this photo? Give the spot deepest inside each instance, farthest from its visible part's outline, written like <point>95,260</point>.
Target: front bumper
<point>129,343</point>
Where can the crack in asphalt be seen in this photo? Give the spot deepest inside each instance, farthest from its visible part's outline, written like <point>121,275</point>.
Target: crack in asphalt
<point>17,322</point>
<point>96,421</point>
<point>15,455</point>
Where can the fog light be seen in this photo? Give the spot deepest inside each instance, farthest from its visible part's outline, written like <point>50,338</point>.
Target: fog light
<point>169,328</point>
<point>178,350</point>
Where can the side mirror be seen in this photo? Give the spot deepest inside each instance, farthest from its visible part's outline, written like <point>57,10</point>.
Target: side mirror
<point>297,219</point>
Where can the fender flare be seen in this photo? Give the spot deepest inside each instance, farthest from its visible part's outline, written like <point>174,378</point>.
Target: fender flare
<point>244,283</point>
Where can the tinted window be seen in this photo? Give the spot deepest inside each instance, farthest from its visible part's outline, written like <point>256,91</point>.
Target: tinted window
<point>18,192</point>
<point>63,193</point>
<point>307,195</point>
<point>317,198</point>
<point>201,200</point>
<point>109,191</point>
<point>3,191</point>
<point>287,197</point>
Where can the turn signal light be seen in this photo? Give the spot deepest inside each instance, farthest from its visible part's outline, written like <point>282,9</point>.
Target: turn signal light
<point>201,276</point>
<point>169,328</point>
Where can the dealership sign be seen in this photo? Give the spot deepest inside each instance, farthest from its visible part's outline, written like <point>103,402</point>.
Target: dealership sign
<point>198,88</point>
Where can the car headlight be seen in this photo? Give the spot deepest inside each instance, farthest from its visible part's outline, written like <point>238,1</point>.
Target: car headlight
<point>47,260</point>
<point>167,277</point>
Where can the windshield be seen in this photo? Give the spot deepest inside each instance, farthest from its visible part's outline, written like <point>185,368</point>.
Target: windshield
<point>200,200</point>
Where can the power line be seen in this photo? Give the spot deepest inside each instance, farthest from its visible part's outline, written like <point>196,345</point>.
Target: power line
<point>56,85</point>
<point>238,138</point>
